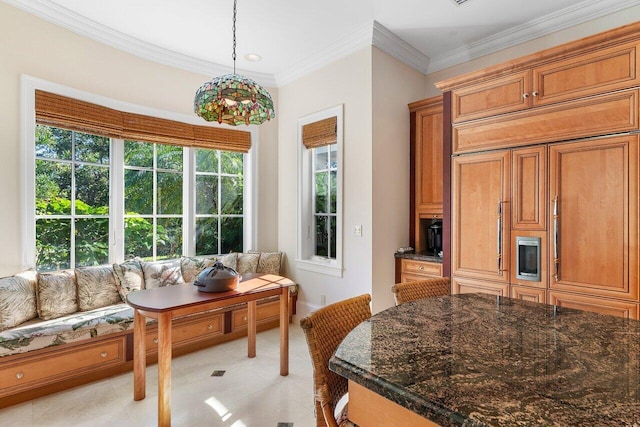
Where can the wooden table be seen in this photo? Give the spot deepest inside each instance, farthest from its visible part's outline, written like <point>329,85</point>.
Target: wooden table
<point>167,303</point>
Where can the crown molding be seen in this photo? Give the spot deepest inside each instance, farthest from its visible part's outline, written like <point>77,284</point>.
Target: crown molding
<point>370,34</point>
<point>393,45</point>
<point>356,40</point>
<point>72,21</point>
<point>560,20</point>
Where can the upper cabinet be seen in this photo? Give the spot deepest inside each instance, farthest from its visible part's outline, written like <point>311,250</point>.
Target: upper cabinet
<point>428,155</point>
<point>581,72</point>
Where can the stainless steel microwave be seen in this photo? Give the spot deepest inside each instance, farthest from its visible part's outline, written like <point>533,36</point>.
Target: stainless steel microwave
<point>528,258</point>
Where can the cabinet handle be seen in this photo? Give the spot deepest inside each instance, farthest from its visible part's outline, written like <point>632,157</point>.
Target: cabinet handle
<point>155,340</point>
<point>209,327</point>
<point>525,95</point>
<point>244,317</point>
<point>556,240</point>
<point>421,267</point>
<point>535,93</point>
<point>103,354</point>
<point>435,216</point>
<point>499,245</point>
<point>19,375</point>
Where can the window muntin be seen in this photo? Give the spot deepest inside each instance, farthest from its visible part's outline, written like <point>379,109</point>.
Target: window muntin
<point>219,201</point>
<point>325,197</point>
<point>72,176</point>
<point>153,200</point>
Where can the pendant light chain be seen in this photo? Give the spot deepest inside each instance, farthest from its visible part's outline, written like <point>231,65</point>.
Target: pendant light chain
<point>234,36</point>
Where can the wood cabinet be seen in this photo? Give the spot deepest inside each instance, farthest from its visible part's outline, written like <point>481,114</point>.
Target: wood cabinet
<point>412,270</point>
<point>268,311</point>
<point>189,329</point>
<point>427,168</point>
<point>594,217</point>
<point>461,285</point>
<point>529,192</point>
<point>528,294</point>
<point>51,366</point>
<point>481,216</point>
<point>428,157</point>
<point>597,115</point>
<point>626,309</point>
<point>584,69</point>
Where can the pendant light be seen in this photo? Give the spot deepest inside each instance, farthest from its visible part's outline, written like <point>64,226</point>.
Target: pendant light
<point>233,99</point>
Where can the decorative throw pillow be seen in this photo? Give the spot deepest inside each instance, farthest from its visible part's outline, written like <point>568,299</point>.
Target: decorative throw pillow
<point>192,266</point>
<point>17,299</point>
<point>161,273</point>
<point>57,294</point>
<point>96,287</point>
<point>130,277</point>
<point>229,260</point>
<point>247,263</point>
<point>269,262</point>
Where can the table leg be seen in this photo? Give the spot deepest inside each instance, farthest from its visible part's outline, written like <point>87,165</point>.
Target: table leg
<point>139,355</point>
<point>284,332</point>
<point>164,369</point>
<point>251,327</point>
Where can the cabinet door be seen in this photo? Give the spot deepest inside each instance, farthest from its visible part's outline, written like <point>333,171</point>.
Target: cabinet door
<point>599,71</point>
<point>529,179</point>
<point>460,285</point>
<point>626,309</point>
<point>429,159</point>
<point>491,97</point>
<point>480,216</point>
<point>594,217</point>
<point>528,294</point>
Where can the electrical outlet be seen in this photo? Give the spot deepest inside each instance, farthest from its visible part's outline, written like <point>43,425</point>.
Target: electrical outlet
<point>357,230</point>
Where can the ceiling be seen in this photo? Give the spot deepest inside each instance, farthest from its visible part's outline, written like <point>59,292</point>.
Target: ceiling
<point>294,37</point>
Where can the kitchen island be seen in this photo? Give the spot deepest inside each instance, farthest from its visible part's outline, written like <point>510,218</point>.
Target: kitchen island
<point>482,360</point>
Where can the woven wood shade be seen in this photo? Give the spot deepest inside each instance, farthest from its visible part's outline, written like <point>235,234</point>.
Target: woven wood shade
<point>320,133</point>
<point>68,113</point>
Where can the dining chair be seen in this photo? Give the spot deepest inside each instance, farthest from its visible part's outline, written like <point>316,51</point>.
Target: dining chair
<point>411,291</point>
<point>325,329</point>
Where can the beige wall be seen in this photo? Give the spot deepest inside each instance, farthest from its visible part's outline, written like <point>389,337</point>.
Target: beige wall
<point>346,81</point>
<point>394,86</point>
<point>29,45</point>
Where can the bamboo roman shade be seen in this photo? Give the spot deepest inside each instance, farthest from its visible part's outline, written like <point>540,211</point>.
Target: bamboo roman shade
<point>68,113</point>
<point>320,133</point>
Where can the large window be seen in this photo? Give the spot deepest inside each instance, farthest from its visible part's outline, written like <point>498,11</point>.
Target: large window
<point>93,195</point>
<point>320,192</point>
<point>72,198</point>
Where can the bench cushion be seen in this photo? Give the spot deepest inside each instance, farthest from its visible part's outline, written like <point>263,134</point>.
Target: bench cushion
<point>39,334</point>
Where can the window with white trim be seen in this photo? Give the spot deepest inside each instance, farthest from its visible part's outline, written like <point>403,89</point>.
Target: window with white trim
<point>320,192</point>
<point>94,199</point>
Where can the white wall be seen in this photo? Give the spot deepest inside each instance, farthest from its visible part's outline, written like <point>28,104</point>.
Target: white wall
<point>394,86</point>
<point>29,45</point>
<point>346,81</point>
<point>577,32</point>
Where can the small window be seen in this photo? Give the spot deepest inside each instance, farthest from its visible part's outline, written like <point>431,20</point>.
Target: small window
<point>320,196</point>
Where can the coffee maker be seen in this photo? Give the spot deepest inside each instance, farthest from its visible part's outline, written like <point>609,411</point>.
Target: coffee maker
<point>434,238</point>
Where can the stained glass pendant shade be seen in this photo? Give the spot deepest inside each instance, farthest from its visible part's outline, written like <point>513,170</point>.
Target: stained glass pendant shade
<point>233,99</point>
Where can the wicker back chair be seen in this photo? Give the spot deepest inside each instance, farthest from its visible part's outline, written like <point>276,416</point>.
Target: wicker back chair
<point>325,329</point>
<point>411,291</point>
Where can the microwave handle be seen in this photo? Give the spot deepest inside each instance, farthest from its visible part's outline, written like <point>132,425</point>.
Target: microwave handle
<point>556,260</point>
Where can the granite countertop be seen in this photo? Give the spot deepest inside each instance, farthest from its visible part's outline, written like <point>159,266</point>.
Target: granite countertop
<point>482,360</point>
<point>419,256</point>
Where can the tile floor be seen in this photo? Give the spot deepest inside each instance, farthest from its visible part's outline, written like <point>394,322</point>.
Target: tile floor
<point>250,393</point>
